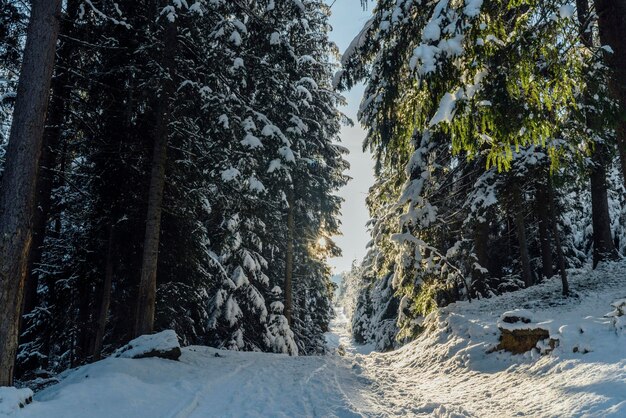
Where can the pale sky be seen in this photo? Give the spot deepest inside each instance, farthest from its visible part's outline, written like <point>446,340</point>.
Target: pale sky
<point>347,20</point>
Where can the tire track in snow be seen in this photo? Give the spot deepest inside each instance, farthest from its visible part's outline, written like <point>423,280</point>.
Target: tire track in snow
<point>192,405</point>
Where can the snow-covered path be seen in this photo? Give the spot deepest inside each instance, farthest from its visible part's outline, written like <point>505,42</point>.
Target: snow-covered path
<point>207,382</point>
<point>202,384</point>
<point>447,372</point>
<point>339,339</point>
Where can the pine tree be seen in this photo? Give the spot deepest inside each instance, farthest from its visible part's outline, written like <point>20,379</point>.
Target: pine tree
<point>18,187</point>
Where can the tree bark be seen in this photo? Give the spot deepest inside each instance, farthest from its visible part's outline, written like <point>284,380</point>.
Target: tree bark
<point>603,246</point>
<point>542,206</point>
<point>554,220</point>
<point>104,300</point>
<point>612,28</point>
<point>48,161</point>
<point>19,181</point>
<point>521,236</point>
<point>289,258</point>
<point>144,322</point>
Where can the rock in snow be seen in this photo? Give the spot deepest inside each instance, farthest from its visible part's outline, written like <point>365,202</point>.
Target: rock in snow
<point>520,333</point>
<point>163,345</point>
<point>12,399</point>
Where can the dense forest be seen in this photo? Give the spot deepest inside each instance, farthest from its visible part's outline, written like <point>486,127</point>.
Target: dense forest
<point>185,179</point>
<point>173,164</point>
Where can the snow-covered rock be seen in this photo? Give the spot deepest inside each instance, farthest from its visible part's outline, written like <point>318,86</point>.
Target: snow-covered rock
<point>520,332</point>
<point>620,308</point>
<point>619,316</point>
<point>12,399</point>
<point>163,345</point>
<point>516,319</point>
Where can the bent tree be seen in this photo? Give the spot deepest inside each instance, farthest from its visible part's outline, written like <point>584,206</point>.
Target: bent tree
<point>18,187</point>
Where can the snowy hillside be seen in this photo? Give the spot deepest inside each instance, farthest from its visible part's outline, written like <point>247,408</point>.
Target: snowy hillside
<point>446,372</point>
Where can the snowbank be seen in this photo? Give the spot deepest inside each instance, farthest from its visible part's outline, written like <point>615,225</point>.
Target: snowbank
<point>12,399</point>
<point>163,344</point>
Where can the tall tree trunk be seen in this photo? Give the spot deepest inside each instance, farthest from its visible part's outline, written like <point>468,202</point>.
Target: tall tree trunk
<point>104,299</point>
<point>144,322</point>
<point>542,207</point>
<point>481,239</point>
<point>521,236</point>
<point>289,257</point>
<point>84,328</point>
<point>612,28</point>
<point>603,246</point>
<point>554,220</point>
<point>19,181</point>
<point>48,162</point>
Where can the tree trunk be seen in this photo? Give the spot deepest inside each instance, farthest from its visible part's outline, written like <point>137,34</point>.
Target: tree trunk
<point>104,300</point>
<point>612,28</point>
<point>603,246</point>
<point>542,206</point>
<point>554,220</point>
<point>289,258</point>
<point>48,161</point>
<point>481,239</point>
<point>19,181</point>
<point>521,236</point>
<point>144,322</point>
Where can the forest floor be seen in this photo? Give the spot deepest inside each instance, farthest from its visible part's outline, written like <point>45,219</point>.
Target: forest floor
<point>447,372</point>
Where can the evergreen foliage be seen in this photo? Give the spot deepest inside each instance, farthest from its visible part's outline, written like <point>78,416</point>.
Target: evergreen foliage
<point>487,119</point>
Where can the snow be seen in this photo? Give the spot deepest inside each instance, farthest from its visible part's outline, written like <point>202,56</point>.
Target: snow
<point>162,341</point>
<point>238,63</point>
<point>524,319</point>
<point>339,339</point>
<point>567,11</point>
<point>445,113</point>
<point>472,7</point>
<point>206,382</point>
<point>449,371</point>
<point>275,38</point>
<point>230,174</point>
<point>251,142</point>
<point>12,399</point>
<point>432,31</point>
<point>448,366</point>
<point>256,185</point>
<point>357,43</point>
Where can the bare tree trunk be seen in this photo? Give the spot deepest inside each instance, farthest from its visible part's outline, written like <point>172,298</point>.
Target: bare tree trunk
<point>19,181</point>
<point>542,206</point>
<point>521,236</point>
<point>289,260</point>
<point>554,220</point>
<point>144,322</point>
<point>612,25</point>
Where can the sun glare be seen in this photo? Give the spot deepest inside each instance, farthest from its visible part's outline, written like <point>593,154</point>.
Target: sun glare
<point>322,242</point>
